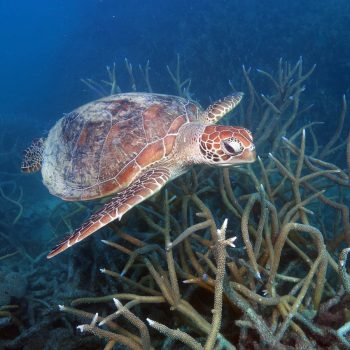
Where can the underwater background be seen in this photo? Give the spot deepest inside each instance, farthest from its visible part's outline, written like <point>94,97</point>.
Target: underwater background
<point>53,58</point>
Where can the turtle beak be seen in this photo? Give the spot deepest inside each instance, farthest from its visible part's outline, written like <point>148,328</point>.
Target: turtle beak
<point>250,154</point>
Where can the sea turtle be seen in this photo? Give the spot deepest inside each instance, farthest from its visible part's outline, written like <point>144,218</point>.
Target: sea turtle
<point>130,145</point>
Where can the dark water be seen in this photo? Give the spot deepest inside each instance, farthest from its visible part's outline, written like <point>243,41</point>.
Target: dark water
<point>47,47</point>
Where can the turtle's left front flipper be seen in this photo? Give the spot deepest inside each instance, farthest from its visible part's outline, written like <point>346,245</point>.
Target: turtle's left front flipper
<point>143,187</point>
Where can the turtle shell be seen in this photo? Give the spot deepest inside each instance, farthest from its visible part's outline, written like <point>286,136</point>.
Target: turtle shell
<point>101,147</point>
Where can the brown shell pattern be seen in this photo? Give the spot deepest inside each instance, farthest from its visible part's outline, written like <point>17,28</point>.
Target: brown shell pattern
<point>101,147</point>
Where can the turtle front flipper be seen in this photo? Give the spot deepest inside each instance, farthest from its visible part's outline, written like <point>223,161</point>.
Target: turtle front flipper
<point>143,187</point>
<point>33,156</point>
<point>219,108</point>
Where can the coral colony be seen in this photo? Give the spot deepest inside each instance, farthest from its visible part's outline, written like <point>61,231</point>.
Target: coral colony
<point>248,257</point>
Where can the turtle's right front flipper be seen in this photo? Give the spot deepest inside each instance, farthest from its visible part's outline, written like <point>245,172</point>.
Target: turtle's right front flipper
<point>143,187</point>
<point>220,108</point>
<point>33,156</point>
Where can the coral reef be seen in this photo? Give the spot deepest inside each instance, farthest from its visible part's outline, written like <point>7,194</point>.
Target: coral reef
<point>279,288</point>
<point>242,258</point>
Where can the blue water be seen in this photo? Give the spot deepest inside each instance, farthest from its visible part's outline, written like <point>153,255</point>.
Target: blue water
<point>47,47</point>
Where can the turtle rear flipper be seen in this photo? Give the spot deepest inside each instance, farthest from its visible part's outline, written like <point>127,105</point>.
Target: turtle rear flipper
<point>33,156</point>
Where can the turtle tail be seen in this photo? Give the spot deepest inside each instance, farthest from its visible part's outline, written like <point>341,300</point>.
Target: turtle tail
<point>33,156</point>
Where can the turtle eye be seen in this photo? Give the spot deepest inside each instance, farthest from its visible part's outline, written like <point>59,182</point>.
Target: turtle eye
<point>233,147</point>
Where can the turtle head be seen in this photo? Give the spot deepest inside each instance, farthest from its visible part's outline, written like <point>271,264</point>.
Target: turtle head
<point>226,145</point>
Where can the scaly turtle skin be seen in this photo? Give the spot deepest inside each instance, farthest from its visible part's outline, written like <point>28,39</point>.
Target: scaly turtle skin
<point>129,146</point>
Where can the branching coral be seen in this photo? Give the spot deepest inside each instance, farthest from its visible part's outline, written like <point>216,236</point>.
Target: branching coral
<point>275,295</point>
<point>185,286</point>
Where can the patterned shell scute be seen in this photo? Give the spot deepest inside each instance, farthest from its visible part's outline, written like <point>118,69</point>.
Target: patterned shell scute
<point>99,148</point>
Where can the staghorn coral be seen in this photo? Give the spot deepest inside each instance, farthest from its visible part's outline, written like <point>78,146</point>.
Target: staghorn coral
<point>275,294</point>
<point>183,285</point>
<point>12,284</point>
